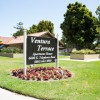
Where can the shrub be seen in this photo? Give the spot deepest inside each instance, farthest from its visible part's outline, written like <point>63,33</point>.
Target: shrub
<point>11,50</point>
<point>83,51</point>
<point>97,51</point>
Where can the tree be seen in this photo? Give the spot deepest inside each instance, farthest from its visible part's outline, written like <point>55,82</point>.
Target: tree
<point>98,12</point>
<point>19,28</point>
<point>32,29</point>
<point>43,25</point>
<point>98,20</point>
<point>98,24</point>
<point>67,44</point>
<point>78,26</point>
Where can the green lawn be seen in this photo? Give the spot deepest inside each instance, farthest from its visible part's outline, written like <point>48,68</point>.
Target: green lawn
<point>64,56</point>
<point>84,85</point>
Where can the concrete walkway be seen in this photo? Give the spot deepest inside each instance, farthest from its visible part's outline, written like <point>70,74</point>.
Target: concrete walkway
<point>7,95</point>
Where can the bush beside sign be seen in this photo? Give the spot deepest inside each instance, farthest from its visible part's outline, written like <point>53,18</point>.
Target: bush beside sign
<point>41,50</point>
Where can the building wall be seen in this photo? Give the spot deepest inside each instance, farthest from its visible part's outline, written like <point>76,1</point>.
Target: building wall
<point>20,46</point>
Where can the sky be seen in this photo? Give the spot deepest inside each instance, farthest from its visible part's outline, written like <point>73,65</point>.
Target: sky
<point>33,11</point>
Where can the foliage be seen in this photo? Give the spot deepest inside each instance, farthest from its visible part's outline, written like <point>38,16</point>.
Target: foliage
<point>97,22</point>
<point>98,29</point>
<point>84,84</point>
<point>98,12</point>
<point>33,29</point>
<point>97,51</point>
<point>43,25</point>
<point>18,33</point>
<point>11,50</point>
<point>83,51</point>
<point>67,43</point>
<point>19,28</point>
<point>78,26</point>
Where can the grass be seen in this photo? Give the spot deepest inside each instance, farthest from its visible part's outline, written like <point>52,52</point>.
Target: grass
<point>84,85</point>
<point>64,56</point>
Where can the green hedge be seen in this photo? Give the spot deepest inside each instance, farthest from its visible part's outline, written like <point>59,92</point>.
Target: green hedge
<point>83,51</point>
<point>11,50</point>
<point>97,51</point>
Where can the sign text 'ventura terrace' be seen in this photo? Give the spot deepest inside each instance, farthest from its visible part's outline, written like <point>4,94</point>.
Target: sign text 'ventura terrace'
<point>41,50</point>
<point>40,42</point>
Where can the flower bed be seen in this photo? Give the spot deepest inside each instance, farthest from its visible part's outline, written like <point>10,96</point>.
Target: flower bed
<point>42,73</point>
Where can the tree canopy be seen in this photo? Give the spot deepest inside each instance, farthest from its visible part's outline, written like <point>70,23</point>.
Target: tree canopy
<point>19,28</point>
<point>98,19</point>
<point>78,26</point>
<point>43,25</point>
<point>98,12</point>
<point>97,22</point>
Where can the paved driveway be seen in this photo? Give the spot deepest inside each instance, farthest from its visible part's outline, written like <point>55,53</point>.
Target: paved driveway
<point>7,95</point>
